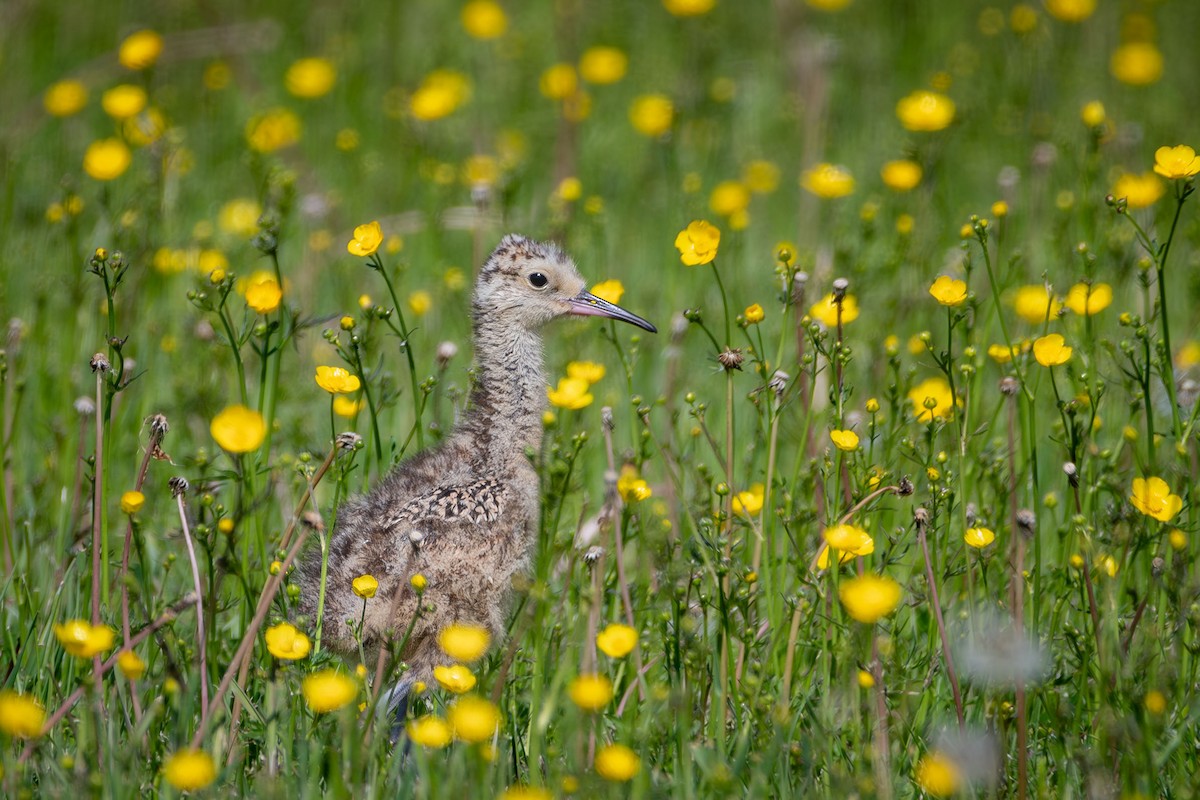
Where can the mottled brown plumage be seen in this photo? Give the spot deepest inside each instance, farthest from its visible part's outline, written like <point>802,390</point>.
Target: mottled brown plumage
<point>463,514</point>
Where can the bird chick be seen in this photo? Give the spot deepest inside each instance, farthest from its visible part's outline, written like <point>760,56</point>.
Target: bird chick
<point>463,514</point>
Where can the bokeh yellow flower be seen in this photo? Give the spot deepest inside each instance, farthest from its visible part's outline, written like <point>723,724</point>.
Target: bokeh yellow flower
<point>440,94</point>
<point>617,763</point>
<point>430,731</point>
<point>754,314</point>
<point>123,101</point>
<point>238,429</point>
<point>559,81</point>
<point>1051,350</point>
<point>698,243</point>
<point>844,440</point>
<point>521,791</point>
<point>1093,114</point>
<point>457,678</point>
<point>107,159</point>
<point>189,770</point>
<point>979,537</point>
<point>1139,191</point>
<point>263,294</point>
<point>82,640</point>
<point>240,217</point>
<point>464,642</point>
<point>760,176</point>
<point>310,78</point>
<point>828,181</point>
<point>1070,10</point>
<point>364,586</point>
<point>868,598</point>
<point>328,690</point>
<point>1137,63</point>
<point>1152,496</point>
<point>21,716</point>
<point>652,114</point>
<point>367,238</point>
<point>729,198</point>
<point>65,98</point>
<point>140,50</point>
<point>938,775</point>
<point>273,130</point>
<point>484,19</point>
<point>949,291</point>
<point>591,692</point>
<point>132,501</point>
<point>131,665</point>
<point>925,111</point>
<point>750,501</point>
<point>936,393</point>
<point>337,380</point>
<point>1177,162</point>
<point>903,175</point>
<point>617,640</point>
<point>419,302</point>
<point>825,310</point>
<point>1087,299</point>
<point>1034,304</point>
<point>631,486</point>
<point>287,643</point>
<point>849,541</point>
<point>473,719</point>
<point>347,407</point>
<point>611,290</point>
<point>586,370</point>
<point>571,394</point>
<point>602,65</point>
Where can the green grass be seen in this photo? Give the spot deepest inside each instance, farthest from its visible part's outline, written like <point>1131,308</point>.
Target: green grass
<point>1077,638</point>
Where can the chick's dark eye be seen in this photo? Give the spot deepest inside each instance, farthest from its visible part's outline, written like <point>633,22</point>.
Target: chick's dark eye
<point>537,280</point>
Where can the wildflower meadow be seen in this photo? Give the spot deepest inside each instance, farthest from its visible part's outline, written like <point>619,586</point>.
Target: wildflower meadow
<point>900,500</point>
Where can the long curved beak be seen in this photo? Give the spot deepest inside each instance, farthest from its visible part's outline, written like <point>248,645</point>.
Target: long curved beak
<point>586,304</point>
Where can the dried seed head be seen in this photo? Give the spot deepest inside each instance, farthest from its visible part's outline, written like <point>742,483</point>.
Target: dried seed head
<point>905,487</point>
<point>312,520</point>
<point>204,331</point>
<point>1009,386</point>
<point>159,427</point>
<point>99,363</point>
<point>348,440</point>
<point>606,418</point>
<point>972,515</point>
<point>679,326</point>
<point>446,351</point>
<point>1026,522</point>
<point>1072,473</point>
<point>779,381</point>
<point>593,555</point>
<point>921,516</point>
<point>1158,566</point>
<point>731,358</point>
<point>839,289</point>
<point>179,485</point>
<point>85,406</point>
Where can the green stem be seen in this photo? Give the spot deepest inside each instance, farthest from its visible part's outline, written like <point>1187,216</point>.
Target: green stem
<point>404,335</point>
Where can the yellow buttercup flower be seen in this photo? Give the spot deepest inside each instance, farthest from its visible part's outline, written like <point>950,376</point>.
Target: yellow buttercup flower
<point>273,130</point>
<point>652,114</point>
<point>932,398</point>
<point>586,370</point>
<point>347,407</point>
<point>1176,162</point>
<point>263,294</point>
<point>240,217</point>
<point>123,101</point>
<point>901,176</point>
<point>238,429</point>
<point>868,598</point>
<point>1034,304</point>
<point>591,692</point>
<point>189,770</point>
<point>473,719</point>
<point>828,181</point>
<point>484,19</point>
<point>1070,10</point>
<point>140,50</point>
<point>131,665</point>
<point>1093,114</point>
<point>440,94</point>
<point>698,243</point>
<point>949,291</point>
<point>430,731</point>
<point>107,159</point>
<point>337,380</point>
<point>1137,63</point>
<point>457,678</point>
<point>367,239</point>
<point>1152,497</point>
<point>979,538</point>
<point>603,65</point>
<point>464,642</point>
<point>760,176</point>
<point>729,198</point>
<point>132,502</point>
<point>754,314</point>
<point>617,640</point>
<point>1139,191</point>
<point>1087,299</point>
<point>1051,350</point>
<point>65,98</point>
<point>82,640</point>
<point>1155,702</point>
<point>844,440</point>
<point>522,792</point>
<point>925,111</point>
<point>571,394</point>
<point>750,501</point>
<point>825,310</point>
<point>328,690</point>
<point>617,763</point>
<point>287,643</point>
<point>631,486</point>
<point>569,189</point>
<point>310,78</point>
<point>937,774</point>
<point>849,541</point>
<point>364,586</point>
<point>419,302</point>
<point>21,716</point>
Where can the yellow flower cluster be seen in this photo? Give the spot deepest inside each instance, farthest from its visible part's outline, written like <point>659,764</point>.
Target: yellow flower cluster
<point>617,640</point>
<point>273,130</point>
<point>464,642</point>
<point>83,640</point>
<point>287,643</point>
